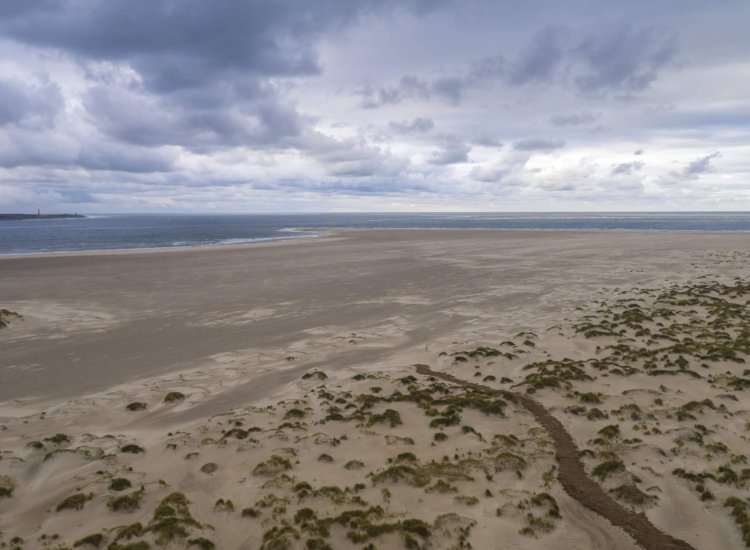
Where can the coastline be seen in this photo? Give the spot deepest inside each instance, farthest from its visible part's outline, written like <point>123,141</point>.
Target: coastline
<point>242,331</point>
<point>248,242</point>
<point>332,232</point>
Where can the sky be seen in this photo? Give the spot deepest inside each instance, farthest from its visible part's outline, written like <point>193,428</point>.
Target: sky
<point>374,105</point>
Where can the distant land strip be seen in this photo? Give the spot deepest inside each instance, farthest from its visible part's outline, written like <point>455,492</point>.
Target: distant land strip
<point>12,217</point>
<point>573,476</point>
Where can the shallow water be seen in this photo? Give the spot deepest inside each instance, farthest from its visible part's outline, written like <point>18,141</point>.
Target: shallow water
<point>112,232</point>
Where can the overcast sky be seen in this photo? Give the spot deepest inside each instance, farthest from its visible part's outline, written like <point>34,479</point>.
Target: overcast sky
<point>345,105</point>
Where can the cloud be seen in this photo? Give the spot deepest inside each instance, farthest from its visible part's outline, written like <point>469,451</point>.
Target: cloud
<point>409,87</point>
<point>538,144</point>
<point>540,59</point>
<point>487,141</point>
<point>690,173</point>
<point>574,119</point>
<point>339,187</point>
<point>700,166</point>
<point>190,103</point>
<point>627,168</point>
<point>451,153</point>
<point>487,69</point>
<point>27,147</point>
<point>449,89</point>
<point>352,158</point>
<point>136,117</point>
<point>29,104</point>
<point>124,158</point>
<point>14,8</point>
<point>489,174</point>
<point>177,44</point>
<point>419,125</point>
<point>622,59</point>
<point>203,70</point>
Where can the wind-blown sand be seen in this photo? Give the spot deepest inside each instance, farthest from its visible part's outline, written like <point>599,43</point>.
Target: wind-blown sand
<point>297,350</point>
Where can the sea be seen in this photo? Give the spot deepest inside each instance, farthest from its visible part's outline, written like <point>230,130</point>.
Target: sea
<point>144,231</point>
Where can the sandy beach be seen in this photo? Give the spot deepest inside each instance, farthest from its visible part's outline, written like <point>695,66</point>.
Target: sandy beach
<point>266,396</point>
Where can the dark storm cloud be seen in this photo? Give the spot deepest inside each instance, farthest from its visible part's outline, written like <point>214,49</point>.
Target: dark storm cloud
<point>538,144</point>
<point>181,43</point>
<point>14,8</point>
<point>419,125</point>
<point>203,67</point>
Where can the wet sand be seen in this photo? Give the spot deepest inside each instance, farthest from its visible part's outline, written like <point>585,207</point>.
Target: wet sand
<point>93,321</point>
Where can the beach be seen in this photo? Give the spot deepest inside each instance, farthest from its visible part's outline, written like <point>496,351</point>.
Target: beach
<point>264,375</point>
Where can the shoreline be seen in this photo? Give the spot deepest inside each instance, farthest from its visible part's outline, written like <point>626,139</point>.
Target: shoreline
<point>335,232</point>
<point>180,248</point>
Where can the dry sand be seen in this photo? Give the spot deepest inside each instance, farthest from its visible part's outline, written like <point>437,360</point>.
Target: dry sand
<point>234,329</point>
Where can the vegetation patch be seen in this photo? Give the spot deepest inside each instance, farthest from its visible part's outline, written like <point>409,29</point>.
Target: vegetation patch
<point>126,503</point>
<point>119,484</point>
<point>74,502</point>
<point>632,495</point>
<point>7,486</point>
<point>739,511</point>
<point>58,439</point>
<point>172,519</point>
<point>608,468</point>
<point>320,375</point>
<point>389,416</point>
<point>6,316</point>
<point>174,396</point>
<point>273,466</point>
<point>94,540</point>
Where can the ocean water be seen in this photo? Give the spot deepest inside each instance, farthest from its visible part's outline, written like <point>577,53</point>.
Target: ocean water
<point>113,232</point>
